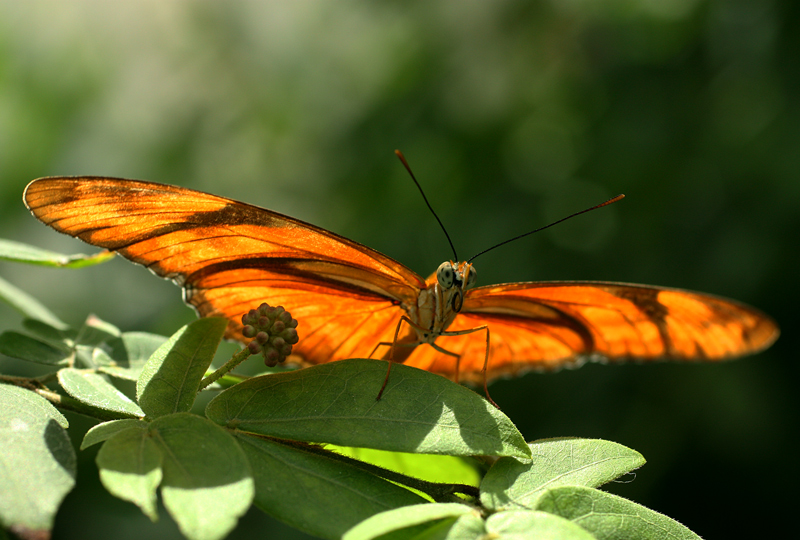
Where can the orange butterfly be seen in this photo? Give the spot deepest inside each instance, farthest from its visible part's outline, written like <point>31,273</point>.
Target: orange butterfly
<point>230,256</point>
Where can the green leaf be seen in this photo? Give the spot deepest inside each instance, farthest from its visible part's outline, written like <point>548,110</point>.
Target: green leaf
<point>125,356</point>
<point>95,331</point>
<point>609,517</point>
<point>335,403</point>
<point>466,527</point>
<point>527,525</point>
<point>83,357</point>
<point>511,483</point>
<point>24,347</point>
<point>407,516</point>
<point>37,463</point>
<point>429,467</point>
<point>28,305</point>
<point>106,430</point>
<point>170,379</point>
<point>314,492</point>
<point>130,467</point>
<point>24,253</point>
<point>50,333</point>
<point>95,390</point>
<point>207,481</point>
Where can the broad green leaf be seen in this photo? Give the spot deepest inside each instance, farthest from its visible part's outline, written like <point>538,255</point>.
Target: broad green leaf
<point>609,517</point>
<point>95,390</point>
<point>440,529</point>
<point>207,481</point>
<point>407,516</point>
<point>106,430</point>
<point>24,253</point>
<point>83,357</point>
<point>527,525</point>
<point>24,347</point>
<point>512,483</point>
<point>466,527</point>
<point>61,339</point>
<point>171,377</point>
<point>130,467</point>
<point>428,467</point>
<point>317,493</point>
<point>50,333</point>
<point>37,463</point>
<point>125,356</point>
<point>28,305</point>
<point>335,403</point>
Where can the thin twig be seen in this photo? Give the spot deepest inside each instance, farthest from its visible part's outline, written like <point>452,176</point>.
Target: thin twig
<point>237,359</point>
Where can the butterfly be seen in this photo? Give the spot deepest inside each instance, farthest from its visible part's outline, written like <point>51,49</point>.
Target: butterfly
<point>230,256</point>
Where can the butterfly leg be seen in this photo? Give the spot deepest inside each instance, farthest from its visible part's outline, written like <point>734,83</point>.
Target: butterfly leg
<point>391,361</point>
<point>393,345</point>
<point>485,358</point>
<point>441,350</point>
<point>390,344</point>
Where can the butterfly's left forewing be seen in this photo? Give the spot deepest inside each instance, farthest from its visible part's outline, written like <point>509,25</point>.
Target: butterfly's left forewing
<point>549,325</point>
<point>231,256</point>
<point>337,320</point>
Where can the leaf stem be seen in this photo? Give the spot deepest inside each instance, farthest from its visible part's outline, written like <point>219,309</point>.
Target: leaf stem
<point>237,359</point>
<point>64,402</point>
<point>69,404</point>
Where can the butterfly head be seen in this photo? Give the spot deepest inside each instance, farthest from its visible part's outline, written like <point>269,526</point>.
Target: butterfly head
<point>454,279</point>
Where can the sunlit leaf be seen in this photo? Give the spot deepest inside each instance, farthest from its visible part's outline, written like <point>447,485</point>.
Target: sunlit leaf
<point>37,463</point>
<point>170,379</point>
<point>512,483</point>
<point>336,403</point>
<point>316,493</point>
<point>207,481</point>
<point>106,430</point>
<point>527,525</point>
<point>95,390</point>
<point>130,467</point>
<point>609,517</point>
<point>401,518</point>
<point>429,467</point>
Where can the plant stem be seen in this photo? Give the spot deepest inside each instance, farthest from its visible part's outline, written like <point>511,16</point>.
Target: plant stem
<point>65,403</point>
<point>69,404</point>
<point>237,359</point>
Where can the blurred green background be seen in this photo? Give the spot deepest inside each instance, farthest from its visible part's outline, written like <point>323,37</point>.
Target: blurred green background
<point>512,114</point>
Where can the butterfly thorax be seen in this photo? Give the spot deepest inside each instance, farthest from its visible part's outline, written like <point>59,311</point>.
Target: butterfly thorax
<point>442,298</point>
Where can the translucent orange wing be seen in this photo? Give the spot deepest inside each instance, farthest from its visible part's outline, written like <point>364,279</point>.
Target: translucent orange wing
<point>549,325</point>
<point>230,257</point>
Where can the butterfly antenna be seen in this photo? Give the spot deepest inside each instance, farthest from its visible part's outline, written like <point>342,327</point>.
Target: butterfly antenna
<point>609,201</point>
<point>399,154</point>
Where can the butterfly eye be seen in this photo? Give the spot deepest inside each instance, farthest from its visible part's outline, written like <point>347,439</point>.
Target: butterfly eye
<point>472,278</point>
<point>445,275</point>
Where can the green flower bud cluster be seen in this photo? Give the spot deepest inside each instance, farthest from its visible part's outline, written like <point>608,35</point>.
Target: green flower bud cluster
<point>274,331</point>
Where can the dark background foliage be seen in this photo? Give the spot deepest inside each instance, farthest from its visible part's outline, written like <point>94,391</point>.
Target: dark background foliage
<point>512,114</point>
